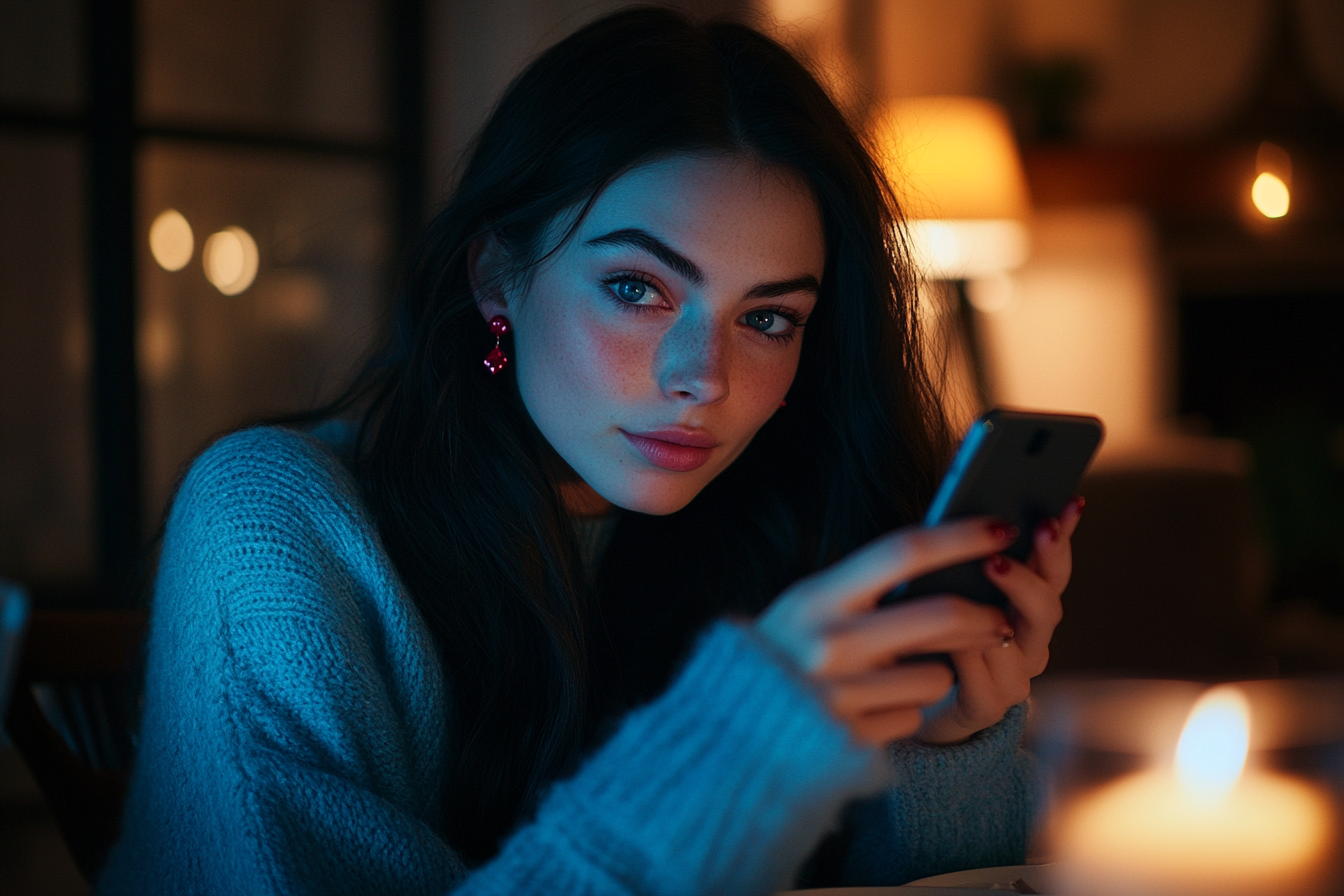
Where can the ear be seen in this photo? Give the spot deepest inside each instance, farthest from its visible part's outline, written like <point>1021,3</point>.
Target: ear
<point>486,267</point>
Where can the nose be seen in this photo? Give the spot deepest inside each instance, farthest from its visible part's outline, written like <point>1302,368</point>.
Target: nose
<point>692,360</point>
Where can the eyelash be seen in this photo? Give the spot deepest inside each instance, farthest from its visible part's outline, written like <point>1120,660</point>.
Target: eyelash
<point>792,316</point>
<point>612,279</point>
<point>799,321</point>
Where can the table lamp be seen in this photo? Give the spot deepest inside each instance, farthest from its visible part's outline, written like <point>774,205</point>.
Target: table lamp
<point>954,165</point>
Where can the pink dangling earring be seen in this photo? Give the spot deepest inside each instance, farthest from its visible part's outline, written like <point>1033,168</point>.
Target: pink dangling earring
<point>495,361</point>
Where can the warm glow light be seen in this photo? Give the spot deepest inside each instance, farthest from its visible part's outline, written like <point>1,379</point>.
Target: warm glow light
<point>1270,195</point>
<point>170,240</point>
<point>230,258</point>
<point>1211,828</point>
<point>953,250</point>
<point>1212,750</point>
<point>954,166</point>
<point>992,294</point>
<point>1140,836</point>
<point>159,348</point>
<point>951,157</point>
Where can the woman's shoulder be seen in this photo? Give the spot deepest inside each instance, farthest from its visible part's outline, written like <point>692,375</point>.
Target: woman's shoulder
<point>268,536</point>
<point>268,467</point>
<point>273,454</point>
<point>272,494</point>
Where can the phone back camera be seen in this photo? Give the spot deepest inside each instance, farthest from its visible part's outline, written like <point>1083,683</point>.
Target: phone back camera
<point>1039,440</point>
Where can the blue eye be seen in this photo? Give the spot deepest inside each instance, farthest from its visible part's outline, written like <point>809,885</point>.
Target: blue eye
<point>775,323</point>
<point>762,320</point>
<point>631,291</point>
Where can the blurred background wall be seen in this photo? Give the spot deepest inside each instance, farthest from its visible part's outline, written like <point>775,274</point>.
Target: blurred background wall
<point>302,142</point>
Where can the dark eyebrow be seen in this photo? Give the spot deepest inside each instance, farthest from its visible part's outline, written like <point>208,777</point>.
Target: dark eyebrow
<point>805,283</point>
<point>642,239</point>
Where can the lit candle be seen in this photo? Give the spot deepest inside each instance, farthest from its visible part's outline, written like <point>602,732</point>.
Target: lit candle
<point>1207,825</point>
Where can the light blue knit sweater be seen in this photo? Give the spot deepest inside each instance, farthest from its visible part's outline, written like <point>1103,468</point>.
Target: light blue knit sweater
<point>294,734</point>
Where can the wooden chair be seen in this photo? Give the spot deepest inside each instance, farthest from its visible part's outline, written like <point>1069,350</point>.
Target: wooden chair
<point>70,719</point>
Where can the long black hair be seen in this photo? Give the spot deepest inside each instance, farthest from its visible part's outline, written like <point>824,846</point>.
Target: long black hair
<point>465,490</point>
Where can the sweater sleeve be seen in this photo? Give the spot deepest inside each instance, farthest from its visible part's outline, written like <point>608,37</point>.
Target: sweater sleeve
<point>722,785</point>
<point>293,736</point>
<point>970,805</point>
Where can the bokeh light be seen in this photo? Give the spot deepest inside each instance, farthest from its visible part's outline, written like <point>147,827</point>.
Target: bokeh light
<point>230,259</point>
<point>1270,195</point>
<point>170,240</point>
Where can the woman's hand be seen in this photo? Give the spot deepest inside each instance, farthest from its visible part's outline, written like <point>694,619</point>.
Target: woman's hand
<point>990,681</point>
<point>830,626</point>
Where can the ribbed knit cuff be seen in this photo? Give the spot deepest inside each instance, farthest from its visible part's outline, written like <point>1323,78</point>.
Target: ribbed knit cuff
<point>722,785</point>
<point>974,756</point>
<point>968,805</point>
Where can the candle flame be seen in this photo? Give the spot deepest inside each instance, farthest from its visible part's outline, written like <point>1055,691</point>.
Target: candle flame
<point>1212,750</point>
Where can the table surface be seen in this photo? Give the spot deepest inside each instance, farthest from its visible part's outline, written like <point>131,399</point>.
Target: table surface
<point>957,883</point>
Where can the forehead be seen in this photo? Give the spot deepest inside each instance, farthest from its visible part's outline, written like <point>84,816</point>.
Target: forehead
<point>723,206</point>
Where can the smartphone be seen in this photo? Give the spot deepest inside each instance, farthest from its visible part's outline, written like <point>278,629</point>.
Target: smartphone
<point>1021,467</point>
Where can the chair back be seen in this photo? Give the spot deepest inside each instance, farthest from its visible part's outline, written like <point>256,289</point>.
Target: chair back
<point>71,718</point>
<point>13,620</point>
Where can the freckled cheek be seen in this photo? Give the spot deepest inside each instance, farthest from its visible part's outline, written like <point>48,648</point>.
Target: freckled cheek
<point>618,363</point>
<point>586,356</point>
<point>765,383</point>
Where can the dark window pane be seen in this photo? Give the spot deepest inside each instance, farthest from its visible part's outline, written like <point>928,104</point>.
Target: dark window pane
<point>210,361</point>
<point>39,53</point>
<point>45,477</point>
<point>305,66</point>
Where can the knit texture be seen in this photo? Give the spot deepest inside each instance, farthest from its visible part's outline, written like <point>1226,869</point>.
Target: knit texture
<point>947,809</point>
<point>294,734</point>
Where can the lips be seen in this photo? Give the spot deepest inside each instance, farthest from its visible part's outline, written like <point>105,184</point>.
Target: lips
<point>673,449</point>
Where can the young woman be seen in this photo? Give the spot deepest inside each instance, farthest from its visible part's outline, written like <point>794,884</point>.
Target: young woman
<point>587,601</point>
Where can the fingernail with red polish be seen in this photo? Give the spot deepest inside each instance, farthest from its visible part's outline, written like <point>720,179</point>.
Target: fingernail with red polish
<point>1080,502</point>
<point>1000,564</point>
<point>1004,531</point>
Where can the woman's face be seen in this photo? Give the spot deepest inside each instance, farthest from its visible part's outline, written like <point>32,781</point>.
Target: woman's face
<point>652,346</point>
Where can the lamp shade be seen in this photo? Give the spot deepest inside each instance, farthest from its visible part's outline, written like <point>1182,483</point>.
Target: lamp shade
<point>951,157</point>
<point>956,171</point>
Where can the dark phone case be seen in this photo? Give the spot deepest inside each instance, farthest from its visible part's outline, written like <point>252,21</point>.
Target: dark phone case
<point>1021,467</point>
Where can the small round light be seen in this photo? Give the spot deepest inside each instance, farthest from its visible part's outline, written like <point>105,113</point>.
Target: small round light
<point>230,259</point>
<point>170,240</point>
<point>1270,195</point>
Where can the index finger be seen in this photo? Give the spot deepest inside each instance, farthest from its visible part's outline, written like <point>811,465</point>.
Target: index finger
<point>929,625</point>
<point>856,583</point>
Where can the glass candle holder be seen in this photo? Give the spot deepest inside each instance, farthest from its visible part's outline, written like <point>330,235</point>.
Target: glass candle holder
<point>1167,788</point>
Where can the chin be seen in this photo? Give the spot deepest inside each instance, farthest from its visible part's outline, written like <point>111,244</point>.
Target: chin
<point>659,497</point>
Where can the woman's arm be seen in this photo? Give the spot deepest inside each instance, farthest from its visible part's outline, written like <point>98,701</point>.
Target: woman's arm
<point>293,736</point>
<point>970,805</point>
<point>722,785</point>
